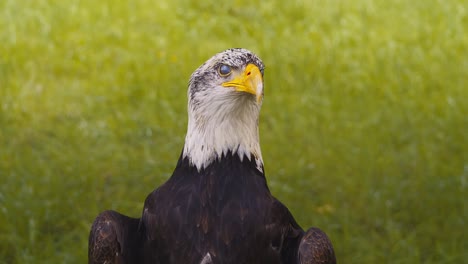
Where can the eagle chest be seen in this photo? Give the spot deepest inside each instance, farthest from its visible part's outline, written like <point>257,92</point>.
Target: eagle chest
<point>217,215</point>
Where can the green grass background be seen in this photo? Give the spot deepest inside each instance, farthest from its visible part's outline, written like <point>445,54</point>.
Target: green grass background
<point>363,126</point>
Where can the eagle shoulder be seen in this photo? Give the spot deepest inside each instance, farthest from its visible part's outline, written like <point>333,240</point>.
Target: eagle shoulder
<point>316,247</point>
<point>114,238</point>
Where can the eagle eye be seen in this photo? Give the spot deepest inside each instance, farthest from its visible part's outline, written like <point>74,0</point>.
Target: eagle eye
<point>224,70</point>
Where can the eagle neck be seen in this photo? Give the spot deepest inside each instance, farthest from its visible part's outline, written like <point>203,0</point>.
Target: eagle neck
<point>219,128</point>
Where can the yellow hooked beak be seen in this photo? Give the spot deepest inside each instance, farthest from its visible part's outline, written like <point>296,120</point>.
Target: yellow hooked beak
<point>250,81</point>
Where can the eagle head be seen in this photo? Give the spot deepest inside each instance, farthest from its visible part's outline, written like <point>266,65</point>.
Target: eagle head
<point>225,95</point>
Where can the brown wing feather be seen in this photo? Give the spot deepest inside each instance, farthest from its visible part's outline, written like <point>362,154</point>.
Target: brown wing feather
<point>316,247</point>
<point>114,238</point>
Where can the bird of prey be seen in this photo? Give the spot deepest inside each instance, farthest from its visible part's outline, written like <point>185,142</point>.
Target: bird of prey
<point>216,207</point>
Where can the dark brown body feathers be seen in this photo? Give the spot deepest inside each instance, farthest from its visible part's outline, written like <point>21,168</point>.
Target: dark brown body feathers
<point>222,214</point>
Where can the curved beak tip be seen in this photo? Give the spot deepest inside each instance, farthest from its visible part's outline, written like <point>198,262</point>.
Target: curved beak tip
<point>250,81</point>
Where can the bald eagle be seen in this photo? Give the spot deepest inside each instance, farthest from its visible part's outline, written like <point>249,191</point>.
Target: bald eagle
<point>216,207</point>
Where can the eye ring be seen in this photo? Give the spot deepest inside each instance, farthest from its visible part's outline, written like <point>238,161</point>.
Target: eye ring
<point>224,70</point>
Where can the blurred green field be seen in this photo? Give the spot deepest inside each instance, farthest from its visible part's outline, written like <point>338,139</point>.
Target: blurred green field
<point>363,126</point>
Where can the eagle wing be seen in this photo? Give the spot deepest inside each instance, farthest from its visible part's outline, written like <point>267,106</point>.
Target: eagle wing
<point>311,247</point>
<point>114,238</point>
<point>316,247</point>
